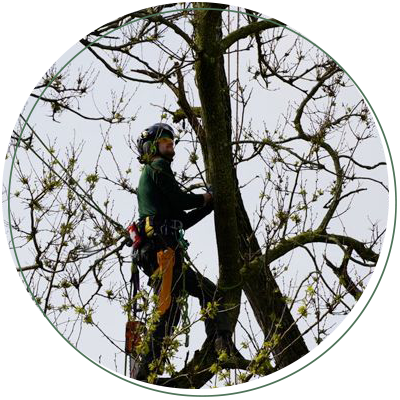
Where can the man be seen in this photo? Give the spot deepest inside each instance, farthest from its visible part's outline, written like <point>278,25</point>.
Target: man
<point>162,205</point>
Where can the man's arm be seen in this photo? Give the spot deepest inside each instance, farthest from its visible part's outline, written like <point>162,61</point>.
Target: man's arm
<point>165,180</point>
<point>193,217</point>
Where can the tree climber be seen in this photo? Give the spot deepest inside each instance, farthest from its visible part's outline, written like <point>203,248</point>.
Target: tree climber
<point>162,216</point>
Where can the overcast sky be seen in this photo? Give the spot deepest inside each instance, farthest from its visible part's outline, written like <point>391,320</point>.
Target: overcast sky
<point>266,108</point>
<point>291,24</point>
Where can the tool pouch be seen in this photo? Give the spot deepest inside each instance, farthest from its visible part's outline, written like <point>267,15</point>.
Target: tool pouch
<point>165,261</point>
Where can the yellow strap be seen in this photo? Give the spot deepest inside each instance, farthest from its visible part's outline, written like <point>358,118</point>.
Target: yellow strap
<point>148,228</point>
<point>166,261</point>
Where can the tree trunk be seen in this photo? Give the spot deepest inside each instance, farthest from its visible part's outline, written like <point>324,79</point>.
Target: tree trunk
<point>266,299</point>
<point>216,116</point>
<point>231,221</point>
<point>232,225</point>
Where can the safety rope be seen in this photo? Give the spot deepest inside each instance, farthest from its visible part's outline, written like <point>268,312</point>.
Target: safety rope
<point>185,310</point>
<point>132,311</point>
<point>88,199</point>
<point>129,318</point>
<point>237,80</point>
<point>229,53</point>
<point>184,245</point>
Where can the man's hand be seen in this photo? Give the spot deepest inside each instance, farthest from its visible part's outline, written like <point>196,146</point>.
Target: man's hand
<point>207,198</point>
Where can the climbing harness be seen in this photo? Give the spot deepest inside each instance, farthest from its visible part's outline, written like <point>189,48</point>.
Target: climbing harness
<point>134,329</point>
<point>183,243</point>
<point>135,237</point>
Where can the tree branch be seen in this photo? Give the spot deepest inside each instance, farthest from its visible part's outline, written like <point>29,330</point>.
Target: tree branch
<point>64,106</point>
<point>245,31</point>
<point>286,245</point>
<point>342,274</point>
<point>362,165</point>
<point>176,29</point>
<point>197,372</point>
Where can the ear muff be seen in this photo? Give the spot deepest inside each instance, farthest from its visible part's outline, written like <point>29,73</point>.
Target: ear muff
<point>149,148</point>
<point>147,142</point>
<point>146,147</point>
<point>153,148</point>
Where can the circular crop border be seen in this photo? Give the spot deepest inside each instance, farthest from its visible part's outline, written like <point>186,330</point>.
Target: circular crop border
<point>240,391</point>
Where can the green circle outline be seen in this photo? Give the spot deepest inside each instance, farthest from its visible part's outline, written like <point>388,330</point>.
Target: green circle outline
<point>184,394</point>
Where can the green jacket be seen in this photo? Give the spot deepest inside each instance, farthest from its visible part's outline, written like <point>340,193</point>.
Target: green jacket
<point>159,194</point>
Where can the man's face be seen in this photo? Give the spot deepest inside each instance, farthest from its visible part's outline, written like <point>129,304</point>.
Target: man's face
<point>166,148</point>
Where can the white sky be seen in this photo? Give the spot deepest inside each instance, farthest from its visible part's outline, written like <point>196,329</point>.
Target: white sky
<point>265,107</point>
<point>286,19</point>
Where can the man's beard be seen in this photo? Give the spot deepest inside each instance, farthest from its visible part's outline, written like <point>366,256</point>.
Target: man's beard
<point>169,155</point>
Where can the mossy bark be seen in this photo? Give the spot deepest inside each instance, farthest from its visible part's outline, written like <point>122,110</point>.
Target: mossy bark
<point>266,299</point>
<point>231,221</point>
<point>216,117</point>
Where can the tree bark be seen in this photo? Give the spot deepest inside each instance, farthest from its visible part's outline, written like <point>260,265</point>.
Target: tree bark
<point>266,299</point>
<point>216,116</point>
<point>232,225</point>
